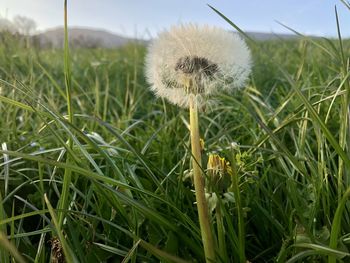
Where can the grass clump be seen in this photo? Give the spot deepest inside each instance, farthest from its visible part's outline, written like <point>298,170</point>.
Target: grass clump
<point>130,197</point>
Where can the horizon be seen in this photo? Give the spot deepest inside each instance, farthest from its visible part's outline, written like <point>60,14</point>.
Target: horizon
<point>289,33</point>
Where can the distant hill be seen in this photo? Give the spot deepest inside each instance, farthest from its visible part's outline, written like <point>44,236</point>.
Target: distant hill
<point>81,37</point>
<point>87,37</point>
<point>269,36</point>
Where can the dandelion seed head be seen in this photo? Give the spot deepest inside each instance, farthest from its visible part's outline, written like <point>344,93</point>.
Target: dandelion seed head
<point>196,61</point>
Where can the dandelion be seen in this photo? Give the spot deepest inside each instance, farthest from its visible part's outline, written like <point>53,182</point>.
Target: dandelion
<point>187,65</point>
<point>191,61</point>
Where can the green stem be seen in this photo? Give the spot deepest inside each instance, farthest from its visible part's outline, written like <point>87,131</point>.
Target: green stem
<point>203,212</point>
<point>67,178</point>
<point>336,225</point>
<point>241,230</point>
<point>221,233</point>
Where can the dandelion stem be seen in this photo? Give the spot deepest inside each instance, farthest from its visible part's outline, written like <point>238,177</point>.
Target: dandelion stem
<point>203,213</point>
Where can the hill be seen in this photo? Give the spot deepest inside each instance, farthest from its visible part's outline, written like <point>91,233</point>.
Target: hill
<point>87,37</point>
<point>81,37</point>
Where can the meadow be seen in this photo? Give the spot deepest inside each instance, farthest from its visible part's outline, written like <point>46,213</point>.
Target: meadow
<point>129,197</point>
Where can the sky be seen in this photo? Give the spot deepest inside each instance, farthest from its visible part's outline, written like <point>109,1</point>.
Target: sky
<point>144,18</point>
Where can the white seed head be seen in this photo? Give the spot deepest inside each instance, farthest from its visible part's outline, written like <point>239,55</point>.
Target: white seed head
<point>196,61</point>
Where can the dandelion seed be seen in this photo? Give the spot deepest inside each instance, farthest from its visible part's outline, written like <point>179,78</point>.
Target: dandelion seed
<point>196,61</point>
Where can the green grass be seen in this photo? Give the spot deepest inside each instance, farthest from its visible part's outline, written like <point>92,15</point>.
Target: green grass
<point>128,196</point>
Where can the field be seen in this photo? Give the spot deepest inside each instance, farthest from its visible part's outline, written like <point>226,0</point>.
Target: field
<point>102,173</point>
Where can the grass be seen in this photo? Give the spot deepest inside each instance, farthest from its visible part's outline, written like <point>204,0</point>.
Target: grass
<point>129,198</point>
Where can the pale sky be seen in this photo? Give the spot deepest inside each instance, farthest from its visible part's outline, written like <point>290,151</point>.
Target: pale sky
<point>144,18</point>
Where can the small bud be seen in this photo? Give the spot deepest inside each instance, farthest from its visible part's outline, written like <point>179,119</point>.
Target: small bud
<point>202,144</point>
<point>218,171</point>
